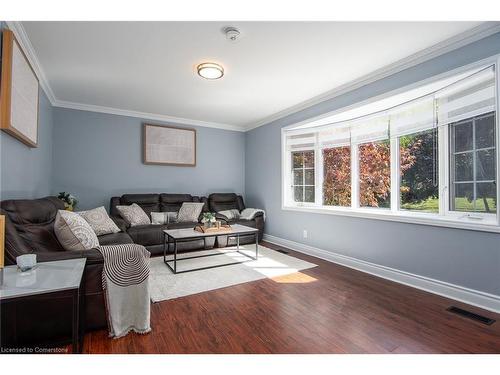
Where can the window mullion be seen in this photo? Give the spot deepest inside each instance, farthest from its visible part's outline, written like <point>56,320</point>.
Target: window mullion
<point>318,176</point>
<point>497,135</point>
<point>395,175</point>
<point>474,171</point>
<point>354,176</point>
<point>444,169</point>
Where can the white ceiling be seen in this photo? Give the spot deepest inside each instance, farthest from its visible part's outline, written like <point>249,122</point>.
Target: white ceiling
<point>149,67</point>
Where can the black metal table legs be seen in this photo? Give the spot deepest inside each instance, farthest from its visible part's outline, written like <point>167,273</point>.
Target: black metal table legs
<point>166,246</point>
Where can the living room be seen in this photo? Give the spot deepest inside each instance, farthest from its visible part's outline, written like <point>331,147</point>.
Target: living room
<point>242,185</point>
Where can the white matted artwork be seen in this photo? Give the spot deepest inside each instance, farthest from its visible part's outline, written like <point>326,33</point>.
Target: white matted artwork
<point>19,93</point>
<point>168,145</point>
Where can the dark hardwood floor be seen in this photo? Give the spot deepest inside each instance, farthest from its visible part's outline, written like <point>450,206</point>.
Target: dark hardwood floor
<point>326,309</point>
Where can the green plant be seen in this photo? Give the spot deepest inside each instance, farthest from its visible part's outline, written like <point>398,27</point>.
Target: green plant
<point>68,199</point>
<point>208,217</point>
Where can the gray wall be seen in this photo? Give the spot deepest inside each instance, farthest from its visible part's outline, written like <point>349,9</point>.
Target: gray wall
<point>26,172</point>
<point>99,155</point>
<point>467,258</point>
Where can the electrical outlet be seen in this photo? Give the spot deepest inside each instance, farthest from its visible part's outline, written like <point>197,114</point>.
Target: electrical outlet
<point>304,234</point>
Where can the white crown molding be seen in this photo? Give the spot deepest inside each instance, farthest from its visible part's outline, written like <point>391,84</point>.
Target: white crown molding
<point>145,115</point>
<point>17,28</point>
<point>479,32</point>
<point>473,297</point>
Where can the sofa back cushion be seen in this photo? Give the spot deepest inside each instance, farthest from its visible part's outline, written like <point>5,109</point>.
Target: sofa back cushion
<point>173,202</point>
<point>33,220</point>
<point>225,201</point>
<point>148,202</point>
<point>155,202</point>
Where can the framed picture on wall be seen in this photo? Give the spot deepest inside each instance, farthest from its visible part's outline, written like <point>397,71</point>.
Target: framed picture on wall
<point>169,145</point>
<point>18,93</point>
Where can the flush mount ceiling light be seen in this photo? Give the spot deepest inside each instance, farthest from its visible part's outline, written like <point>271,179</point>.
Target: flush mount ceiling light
<point>210,70</point>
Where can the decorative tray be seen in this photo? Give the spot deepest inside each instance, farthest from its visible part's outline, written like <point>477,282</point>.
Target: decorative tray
<point>221,229</point>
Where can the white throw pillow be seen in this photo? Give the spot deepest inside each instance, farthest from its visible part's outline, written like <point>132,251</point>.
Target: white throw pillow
<point>73,232</point>
<point>230,214</point>
<point>189,212</point>
<point>99,221</point>
<point>163,217</point>
<point>133,214</point>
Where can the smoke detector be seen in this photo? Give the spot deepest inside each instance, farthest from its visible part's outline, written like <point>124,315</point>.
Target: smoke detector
<point>232,33</point>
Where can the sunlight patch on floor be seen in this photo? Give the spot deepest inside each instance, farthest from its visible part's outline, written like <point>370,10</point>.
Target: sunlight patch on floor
<point>295,278</point>
<point>270,268</point>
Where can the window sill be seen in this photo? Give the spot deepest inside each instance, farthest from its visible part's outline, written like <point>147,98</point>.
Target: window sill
<point>486,225</point>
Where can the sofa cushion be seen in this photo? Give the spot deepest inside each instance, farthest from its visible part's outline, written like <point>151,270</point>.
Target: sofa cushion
<point>33,220</point>
<point>247,223</point>
<point>147,235</point>
<point>148,202</point>
<point>134,215</point>
<point>115,239</point>
<point>182,225</point>
<point>99,221</point>
<point>73,232</point>
<point>173,202</point>
<point>225,201</point>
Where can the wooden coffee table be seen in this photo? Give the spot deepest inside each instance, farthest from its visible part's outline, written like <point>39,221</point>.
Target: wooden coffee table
<point>175,236</point>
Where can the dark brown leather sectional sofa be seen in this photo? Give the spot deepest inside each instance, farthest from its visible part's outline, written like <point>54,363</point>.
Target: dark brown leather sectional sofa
<point>151,236</point>
<point>30,229</point>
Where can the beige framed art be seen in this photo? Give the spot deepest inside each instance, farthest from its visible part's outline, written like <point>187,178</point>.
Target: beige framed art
<point>18,93</point>
<point>169,145</point>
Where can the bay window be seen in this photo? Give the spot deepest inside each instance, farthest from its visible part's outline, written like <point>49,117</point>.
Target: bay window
<point>431,159</point>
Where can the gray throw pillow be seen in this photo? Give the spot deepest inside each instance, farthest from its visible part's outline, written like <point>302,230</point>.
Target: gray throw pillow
<point>189,212</point>
<point>230,214</point>
<point>99,221</point>
<point>133,214</point>
<point>163,217</point>
<point>73,232</point>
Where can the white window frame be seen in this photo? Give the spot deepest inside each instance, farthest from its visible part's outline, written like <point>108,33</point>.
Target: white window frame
<point>445,217</point>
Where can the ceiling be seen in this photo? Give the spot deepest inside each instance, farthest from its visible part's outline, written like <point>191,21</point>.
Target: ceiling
<point>149,67</point>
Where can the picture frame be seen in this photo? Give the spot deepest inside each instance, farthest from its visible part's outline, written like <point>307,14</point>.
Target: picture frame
<point>169,145</point>
<point>19,93</point>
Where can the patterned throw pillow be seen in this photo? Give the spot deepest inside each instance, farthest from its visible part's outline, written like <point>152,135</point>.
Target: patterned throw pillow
<point>99,221</point>
<point>134,215</point>
<point>189,212</point>
<point>163,217</point>
<point>73,232</point>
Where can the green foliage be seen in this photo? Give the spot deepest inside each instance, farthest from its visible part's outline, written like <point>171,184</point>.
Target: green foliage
<point>68,199</point>
<point>208,217</point>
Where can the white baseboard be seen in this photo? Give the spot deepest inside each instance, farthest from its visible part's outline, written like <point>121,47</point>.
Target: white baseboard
<point>470,296</point>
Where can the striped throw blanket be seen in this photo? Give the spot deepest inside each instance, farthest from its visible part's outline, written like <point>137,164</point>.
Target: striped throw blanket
<point>125,280</point>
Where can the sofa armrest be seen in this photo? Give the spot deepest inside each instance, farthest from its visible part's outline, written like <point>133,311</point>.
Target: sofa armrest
<point>93,256</point>
<point>120,223</point>
<point>259,224</point>
<point>221,217</point>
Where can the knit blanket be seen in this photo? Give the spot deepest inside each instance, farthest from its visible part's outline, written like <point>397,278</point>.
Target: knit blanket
<point>125,280</point>
<point>250,213</point>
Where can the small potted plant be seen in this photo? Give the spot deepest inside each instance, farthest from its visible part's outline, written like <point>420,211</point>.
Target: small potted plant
<point>69,200</point>
<point>208,219</point>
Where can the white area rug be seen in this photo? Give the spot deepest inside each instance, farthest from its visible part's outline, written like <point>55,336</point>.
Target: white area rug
<point>165,285</point>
